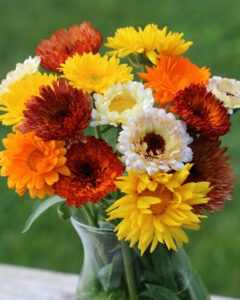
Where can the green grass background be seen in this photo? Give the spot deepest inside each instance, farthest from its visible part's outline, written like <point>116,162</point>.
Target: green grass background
<point>214,26</point>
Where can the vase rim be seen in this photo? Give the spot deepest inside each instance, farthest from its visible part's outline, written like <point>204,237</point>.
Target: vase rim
<point>100,230</point>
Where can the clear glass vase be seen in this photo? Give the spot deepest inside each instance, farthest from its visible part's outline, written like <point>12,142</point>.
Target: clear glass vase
<point>112,270</point>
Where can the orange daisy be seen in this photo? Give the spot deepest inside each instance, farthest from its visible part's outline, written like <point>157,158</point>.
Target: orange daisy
<point>171,74</point>
<point>202,111</point>
<point>65,43</point>
<point>32,164</point>
<point>93,167</point>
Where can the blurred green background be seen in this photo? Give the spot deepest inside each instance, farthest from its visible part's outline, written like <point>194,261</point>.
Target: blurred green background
<point>214,26</point>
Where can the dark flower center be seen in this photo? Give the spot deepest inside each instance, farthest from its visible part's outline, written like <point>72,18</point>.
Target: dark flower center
<point>155,144</point>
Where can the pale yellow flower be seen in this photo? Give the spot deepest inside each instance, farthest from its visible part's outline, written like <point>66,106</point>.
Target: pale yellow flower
<point>226,90</point>
<point>119,102</point>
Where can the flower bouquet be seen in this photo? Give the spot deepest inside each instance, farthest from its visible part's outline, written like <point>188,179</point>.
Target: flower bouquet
<point>126,142</point>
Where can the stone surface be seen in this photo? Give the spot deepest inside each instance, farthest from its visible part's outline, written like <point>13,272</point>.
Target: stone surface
<point>21,283</point>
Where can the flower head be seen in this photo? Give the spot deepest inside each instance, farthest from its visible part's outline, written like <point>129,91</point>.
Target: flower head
<point>154,140</point>
<point>95,73</point>
<point>202,111</point>
<point>28,67</point>
<point>93,167</point>
<point>172,74</point>
<point>156,208</point>
<point>120,102</point>
<point>150,41</point>
<point>65,112</point>
<point>14,101</point>
<point>65,43</point>
<point>32,164</point>
<point>226,90</point>
<point>210,164</point>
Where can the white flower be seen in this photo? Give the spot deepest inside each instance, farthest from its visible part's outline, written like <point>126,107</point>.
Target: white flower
<point>154,140</point>
<point>119,102</point>
<point>226,90</point>
<point>28,67</point>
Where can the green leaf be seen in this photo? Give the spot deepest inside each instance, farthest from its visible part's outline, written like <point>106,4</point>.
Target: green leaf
<point>158,292</point>
<point>65,211</point>
<point>110,275</point>
<point>41,209</point>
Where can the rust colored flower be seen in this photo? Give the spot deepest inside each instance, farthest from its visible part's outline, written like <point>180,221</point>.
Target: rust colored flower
<point>65,43</point>
<point>210,164</point>
<point>60,112</point>
<point>93,167</point>
<point>172,74</point>
<point>32,164</point>
<point>202,111</point>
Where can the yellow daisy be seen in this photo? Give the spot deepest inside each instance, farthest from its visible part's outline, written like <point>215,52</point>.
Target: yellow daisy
<point>29,66</point>
<point>95,73</point>
<point>13,102</point>
<point>150,41</point>
<point>156,208</point>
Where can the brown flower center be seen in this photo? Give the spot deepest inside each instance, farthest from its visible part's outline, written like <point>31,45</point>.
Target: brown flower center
<point>155,144</point>
<point>159,208</point>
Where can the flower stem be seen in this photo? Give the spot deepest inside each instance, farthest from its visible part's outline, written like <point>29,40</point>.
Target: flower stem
<point>127,261</point>
<point>89,217</point>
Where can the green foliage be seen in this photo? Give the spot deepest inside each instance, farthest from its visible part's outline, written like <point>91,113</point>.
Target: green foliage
<point>213,26</point>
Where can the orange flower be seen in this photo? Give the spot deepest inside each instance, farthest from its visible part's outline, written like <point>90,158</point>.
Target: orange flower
<point>32,164</point>
<point>171,74</point>
<point>65,43</point>
<point>93,167</point>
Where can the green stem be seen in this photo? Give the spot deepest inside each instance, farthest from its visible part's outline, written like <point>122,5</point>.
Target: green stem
<point>89,217</point>
<point>127,261</point>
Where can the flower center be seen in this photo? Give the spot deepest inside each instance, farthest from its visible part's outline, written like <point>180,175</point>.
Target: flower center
<point>155,144</point>
<point>159,208</point>
<point>34,158</point>
<point>120,103</point>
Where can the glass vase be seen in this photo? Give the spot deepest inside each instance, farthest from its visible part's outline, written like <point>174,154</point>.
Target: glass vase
<point>112,270</point>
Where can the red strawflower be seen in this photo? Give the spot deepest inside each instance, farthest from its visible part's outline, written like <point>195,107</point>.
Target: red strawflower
<point>65,43</point>
<point>202,111</point>
<point>94,168</point>
<point>211,165</point>
<point>59,113</point>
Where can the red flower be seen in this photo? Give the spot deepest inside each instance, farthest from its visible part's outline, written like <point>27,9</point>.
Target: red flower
<point>65,43</point>
<point>211,165</point>
<point>202,111</point>
<point>59,113</point>
<point>93,167</point>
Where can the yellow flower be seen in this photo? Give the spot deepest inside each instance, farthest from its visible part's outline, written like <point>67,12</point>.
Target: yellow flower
<point>95,73</point>
<point>13,101</point>
<point>32,164</point>
<point>156,208</point>
<point>150,41</point>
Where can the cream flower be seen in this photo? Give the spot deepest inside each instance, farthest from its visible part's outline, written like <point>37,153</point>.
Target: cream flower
<point>154,140</point>
<point>226,90</point>
<point>28,67</point>
<point>120,102</point>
